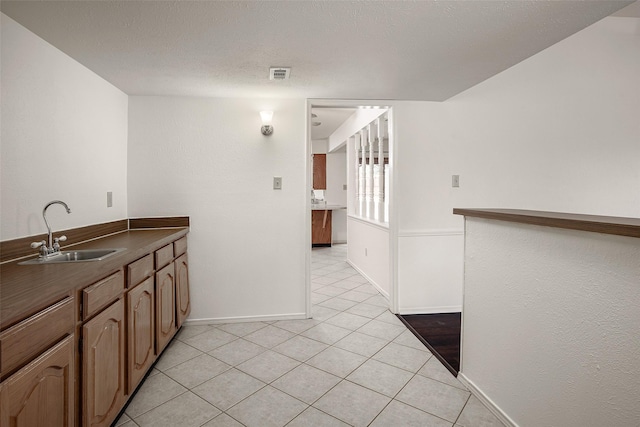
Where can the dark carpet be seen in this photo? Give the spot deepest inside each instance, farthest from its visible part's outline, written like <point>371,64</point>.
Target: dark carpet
<point>440,333</point>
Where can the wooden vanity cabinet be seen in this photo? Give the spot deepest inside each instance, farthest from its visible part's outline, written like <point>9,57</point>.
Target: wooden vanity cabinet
<point>103,350</point>
<point>26,340</point>
<point>79,360</point>
<point>321,227</point>
<point>102,293</point>
<point>165,306</point>
<point>41,394</point>
<point>103,366</point>
<point>141,322</point>
<point>183,299</point>
<point>38,370</point>
<point>319,171</point>
<point>140,331</point>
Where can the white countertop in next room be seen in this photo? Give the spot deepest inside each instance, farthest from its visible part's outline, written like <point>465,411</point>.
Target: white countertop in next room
<point>326,207</point>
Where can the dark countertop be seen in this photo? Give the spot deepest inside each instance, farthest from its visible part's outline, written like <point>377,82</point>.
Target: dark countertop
<point>27,289</point>
<point>620,226</point>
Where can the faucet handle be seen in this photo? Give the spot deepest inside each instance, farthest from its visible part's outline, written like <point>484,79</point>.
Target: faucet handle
<point>56,242</point>
<point>38,244</point>
<point>43,247</point>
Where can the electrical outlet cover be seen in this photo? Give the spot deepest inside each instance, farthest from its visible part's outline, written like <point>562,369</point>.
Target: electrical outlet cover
<point>277,183</point>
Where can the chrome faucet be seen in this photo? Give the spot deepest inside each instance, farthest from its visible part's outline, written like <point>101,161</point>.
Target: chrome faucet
<point>53,244</point>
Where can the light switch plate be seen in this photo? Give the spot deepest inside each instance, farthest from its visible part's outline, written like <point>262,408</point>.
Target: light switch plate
<point>455,180</point>
<point>277,183</point>
<point>109,199</point>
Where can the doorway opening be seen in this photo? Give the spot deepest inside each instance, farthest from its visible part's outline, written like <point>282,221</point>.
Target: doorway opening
<point>350,178</point>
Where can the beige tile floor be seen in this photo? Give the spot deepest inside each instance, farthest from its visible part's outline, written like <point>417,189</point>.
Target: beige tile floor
<point>353,364</point>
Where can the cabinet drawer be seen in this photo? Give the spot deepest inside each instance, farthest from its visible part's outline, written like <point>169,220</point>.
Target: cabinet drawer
<point>101,294</point>
<point>139,270</point>
<point>164,256</point>
<point>22,342</point>
<point>180,246</point>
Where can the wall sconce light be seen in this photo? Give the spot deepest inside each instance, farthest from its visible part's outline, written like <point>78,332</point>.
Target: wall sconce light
<point>266,128</point>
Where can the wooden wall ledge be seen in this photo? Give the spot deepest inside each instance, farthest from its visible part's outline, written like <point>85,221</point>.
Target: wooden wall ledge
<point>619,226</point>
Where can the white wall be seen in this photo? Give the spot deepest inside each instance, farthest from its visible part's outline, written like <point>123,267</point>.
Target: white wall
<point>430,237</point>
<point>368,252</point>
<point>551,324</point>
<point>64,136</point>
<point>319,146</point>
<point>336,194</point>
<point>206,158</point>
<point>430,274</point>
<point>558,132</point>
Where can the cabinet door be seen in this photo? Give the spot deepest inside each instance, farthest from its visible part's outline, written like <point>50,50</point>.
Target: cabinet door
<point>183,302</point>
<point>103,366</point>
<point>319,171</point>
<point>321,228</point>
<point>41,393</point>
<point>165,306</point>
<point>141,330</point>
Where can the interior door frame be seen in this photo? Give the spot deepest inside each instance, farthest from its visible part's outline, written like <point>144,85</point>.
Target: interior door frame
<point>393,227</point>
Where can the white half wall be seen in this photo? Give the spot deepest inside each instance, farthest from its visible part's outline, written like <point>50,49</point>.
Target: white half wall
<point>429,261</point>
<point>64,136</point>
<point>206,158</point>
<point>551,324</point>
<point>368,252</point>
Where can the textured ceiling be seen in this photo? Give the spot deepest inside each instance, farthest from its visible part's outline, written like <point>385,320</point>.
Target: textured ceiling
<point>412,50</point>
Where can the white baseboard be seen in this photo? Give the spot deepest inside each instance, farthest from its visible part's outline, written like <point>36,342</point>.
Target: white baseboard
<point>484,399</point>
<point>239,319</point>
<point>430,310</point>
<point>384,293</point>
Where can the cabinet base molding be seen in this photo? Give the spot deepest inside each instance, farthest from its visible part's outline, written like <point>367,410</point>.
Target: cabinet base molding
<point>240,319</point>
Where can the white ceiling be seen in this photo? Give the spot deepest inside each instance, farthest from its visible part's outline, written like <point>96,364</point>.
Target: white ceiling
<point>411,50</point>
<point>330,119</point>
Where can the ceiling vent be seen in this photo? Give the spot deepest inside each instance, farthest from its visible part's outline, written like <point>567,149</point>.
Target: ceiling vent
<point>279,73</point>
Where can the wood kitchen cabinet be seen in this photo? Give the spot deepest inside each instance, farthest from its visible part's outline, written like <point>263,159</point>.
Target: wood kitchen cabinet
<point>321,227</point>
<point>165,306</point>
<point>183,300</point>
<point>41,394</point>
<point>319,171</point>
<point>37,367</point>
<point>140,331</point>
<point>103,366</point>
<point>78,360</point>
